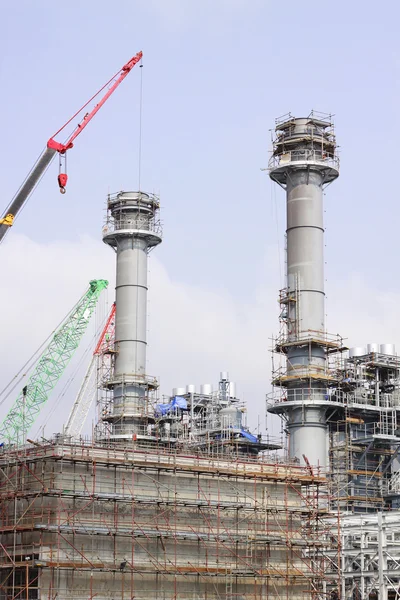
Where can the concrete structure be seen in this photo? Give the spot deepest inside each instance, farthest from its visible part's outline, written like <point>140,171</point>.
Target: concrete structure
<point>132,229</point>
<point>111,522</point>
<point>304,160</point>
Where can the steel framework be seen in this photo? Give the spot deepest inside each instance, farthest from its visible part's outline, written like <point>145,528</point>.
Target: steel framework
<point>106,522</point>
<point>370,556</point>
<point>89,388</point>
<point>50,367</point>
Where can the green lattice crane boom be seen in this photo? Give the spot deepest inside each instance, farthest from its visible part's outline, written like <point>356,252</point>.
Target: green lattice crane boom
<point>50,367</point>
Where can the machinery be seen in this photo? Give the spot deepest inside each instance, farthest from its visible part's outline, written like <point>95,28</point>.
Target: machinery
<point>203,418</point>
<point>53,147</point>
<point>90,384</point>
<point>50,367</point>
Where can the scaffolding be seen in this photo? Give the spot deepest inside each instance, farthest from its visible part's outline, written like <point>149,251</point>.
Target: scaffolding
<point>361,398</point>
<point>102,521</point>
<point>364,433</point>
<point>361,456</point>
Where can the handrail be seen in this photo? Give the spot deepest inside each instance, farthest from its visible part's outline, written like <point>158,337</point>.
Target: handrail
<point>304,155</point>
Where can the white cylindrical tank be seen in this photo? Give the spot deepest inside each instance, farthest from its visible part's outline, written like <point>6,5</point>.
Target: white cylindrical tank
<point>389,349</point>
<point>231,417</point>
<point>191,388</point>
<point>224,376</point>
<point>372,348</point>
<point>357,351</point>
<point>180,391</point>
<point>206,389</point>
<point>232,389</point>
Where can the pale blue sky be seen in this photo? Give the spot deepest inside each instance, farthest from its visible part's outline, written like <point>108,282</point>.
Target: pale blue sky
<point>216,74</point>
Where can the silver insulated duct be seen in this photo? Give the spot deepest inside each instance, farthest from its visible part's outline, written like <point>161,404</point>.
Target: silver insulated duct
<point>304,161</point>
<point>132,229</point>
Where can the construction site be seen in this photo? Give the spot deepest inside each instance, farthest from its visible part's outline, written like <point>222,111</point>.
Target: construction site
<point>173,497</point>
<point>103,521</point>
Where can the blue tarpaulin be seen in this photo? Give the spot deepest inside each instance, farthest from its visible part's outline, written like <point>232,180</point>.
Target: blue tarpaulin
<point>179,402</point>
<point>176,402</point>
<point>162,409</point>
<point>248,436</point>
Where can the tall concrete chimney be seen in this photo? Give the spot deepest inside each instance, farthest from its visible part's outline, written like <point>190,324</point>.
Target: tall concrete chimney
<point>133,229</point>
<point>304,160</point>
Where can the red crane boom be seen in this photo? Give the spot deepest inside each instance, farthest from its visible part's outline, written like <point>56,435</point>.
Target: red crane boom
<point>53,147</point>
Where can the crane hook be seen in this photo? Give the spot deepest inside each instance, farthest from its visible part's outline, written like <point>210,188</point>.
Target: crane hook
<point>62,182</point>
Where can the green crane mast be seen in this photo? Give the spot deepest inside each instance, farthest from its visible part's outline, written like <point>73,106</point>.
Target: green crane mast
<point>50,367</point>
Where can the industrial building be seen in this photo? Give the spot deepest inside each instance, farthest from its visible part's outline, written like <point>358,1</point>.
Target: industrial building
<point>173,497</point>
<point>340,405</point>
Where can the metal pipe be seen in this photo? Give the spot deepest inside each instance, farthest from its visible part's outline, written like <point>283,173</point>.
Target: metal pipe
<point>191,415</point>
<point>377,399</point>
<point>382,563</point>
<point>131,301</point>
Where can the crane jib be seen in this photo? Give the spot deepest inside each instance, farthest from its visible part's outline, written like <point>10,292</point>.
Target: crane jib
<point>28,186</point>
<point>49,368</point>
<point>53,146</point>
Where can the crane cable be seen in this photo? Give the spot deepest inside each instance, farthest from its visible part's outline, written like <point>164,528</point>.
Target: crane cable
<point>31,361</point>
<point>64,390</point>
<point>71,378</point>
<point>86,103</point>
<point>59,131</point>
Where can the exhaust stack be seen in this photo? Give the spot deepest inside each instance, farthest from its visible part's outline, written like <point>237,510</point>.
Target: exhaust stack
<point>303,162</point>
<point>133,229</point>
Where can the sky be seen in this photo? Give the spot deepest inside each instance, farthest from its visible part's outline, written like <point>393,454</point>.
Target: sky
<point>216,74</point>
